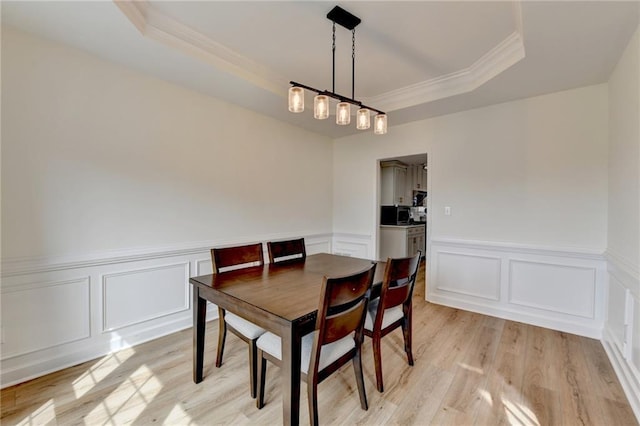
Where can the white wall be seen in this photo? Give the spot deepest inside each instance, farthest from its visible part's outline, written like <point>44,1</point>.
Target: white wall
<point>530,172</point>
<point>527,185</point>
<point>114,187</point>
<point>622,334</point>
<point>99,157</point>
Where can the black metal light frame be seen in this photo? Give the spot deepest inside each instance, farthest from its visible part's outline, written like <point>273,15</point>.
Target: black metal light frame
<point>339,16</point>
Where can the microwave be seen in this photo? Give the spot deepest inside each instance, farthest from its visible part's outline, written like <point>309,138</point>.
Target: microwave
<point>395,215</point>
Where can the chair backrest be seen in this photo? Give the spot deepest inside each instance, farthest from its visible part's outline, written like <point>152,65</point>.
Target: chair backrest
<point>285,250</point>
<point>235,257</point>
<point>342,309</point>
<point>397,284</point>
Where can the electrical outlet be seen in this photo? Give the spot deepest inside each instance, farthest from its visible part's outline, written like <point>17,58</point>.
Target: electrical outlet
<point>447,211</point>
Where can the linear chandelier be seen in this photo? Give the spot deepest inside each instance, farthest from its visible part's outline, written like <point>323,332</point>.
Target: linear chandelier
<point>339,16</point>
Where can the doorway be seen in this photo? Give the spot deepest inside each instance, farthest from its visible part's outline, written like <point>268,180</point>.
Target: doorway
<point>403,184</point>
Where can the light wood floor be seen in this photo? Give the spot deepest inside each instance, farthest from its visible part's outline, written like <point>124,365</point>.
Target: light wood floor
<point>469,369</point>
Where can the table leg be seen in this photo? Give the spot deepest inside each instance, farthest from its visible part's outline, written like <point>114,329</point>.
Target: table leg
<point>199,322</point>
<point>290,371</point>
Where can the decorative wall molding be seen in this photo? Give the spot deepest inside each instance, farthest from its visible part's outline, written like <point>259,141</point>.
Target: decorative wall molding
<point>32,265</point>
<point>449,279</point>
<point>124,295</point>
<point>625,270</point>
<point>355,245</point>
<point>621,336</point>
<point>579,282</point>
<point>105,301</point>
<point>37,332</point>
<point>554,287</point>
<point>569,252</point>
<point>492,260</point>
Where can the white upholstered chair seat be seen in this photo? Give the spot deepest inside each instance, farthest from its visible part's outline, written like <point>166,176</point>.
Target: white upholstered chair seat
<point>391,315</point>
<point>243,326</point>
<point>271,344</point>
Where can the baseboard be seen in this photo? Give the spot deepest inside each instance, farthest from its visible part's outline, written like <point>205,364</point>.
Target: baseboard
<point>22,372</point>
<point>628,376</point>
<point>512,315</point>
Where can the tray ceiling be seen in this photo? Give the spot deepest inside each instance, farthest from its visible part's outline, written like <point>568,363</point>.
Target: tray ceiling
<point>413,59</point>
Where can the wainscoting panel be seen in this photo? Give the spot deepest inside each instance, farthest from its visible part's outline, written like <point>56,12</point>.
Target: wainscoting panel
<point>59,312</point>
<point>621,337</point>
<point>550,287</point>
<point>314,246</point>
<point>34,305</point>
<point>204,267</point>
<point>557,288</point>
<point>354,245</point>
<point>468,274</point>
<point>617,318</point>
<point>132,297</point>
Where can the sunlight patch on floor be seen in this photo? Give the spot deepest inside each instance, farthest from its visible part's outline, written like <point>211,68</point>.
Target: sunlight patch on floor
<point>518,414</point>
<point>486,396</point>
<point>177,415</point>
<point>128,400</point>
<point>42,415</point>
<point>471,368</point>
<point>99,371</point>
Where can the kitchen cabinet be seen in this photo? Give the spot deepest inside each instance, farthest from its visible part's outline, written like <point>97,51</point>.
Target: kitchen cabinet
<point>401,241</point>
<point>415,240</point>
<point>418,181</point>
<point>393,183</point>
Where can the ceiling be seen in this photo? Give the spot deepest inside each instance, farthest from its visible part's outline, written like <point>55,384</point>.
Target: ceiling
<point>414,60</point>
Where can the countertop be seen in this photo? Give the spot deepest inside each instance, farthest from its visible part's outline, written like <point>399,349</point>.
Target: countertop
<point>413,225</point>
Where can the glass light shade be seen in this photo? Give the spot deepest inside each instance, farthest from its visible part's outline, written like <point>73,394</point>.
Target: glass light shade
<point>363,120</point>
<point>343,113</point>
<point>321,107</point>
<point>296,99</point>
<point>380,124</point>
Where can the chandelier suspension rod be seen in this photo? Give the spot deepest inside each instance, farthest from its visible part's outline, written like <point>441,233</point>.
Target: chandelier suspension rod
<point>333,52</point>
<point>335,96</point>
<point>353,64</point>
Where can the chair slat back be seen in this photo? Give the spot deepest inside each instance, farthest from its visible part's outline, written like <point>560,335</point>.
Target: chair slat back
<point>343,303</point>
<point>399,281</point>
<point>228,257</point>
<point>286,249</point>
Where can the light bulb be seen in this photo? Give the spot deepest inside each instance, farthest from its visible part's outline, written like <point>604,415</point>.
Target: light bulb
<point>380,124</point>
<point>321,107</point>
<point>343,114</point>
<point>363,121</point>
<point>296,99</point>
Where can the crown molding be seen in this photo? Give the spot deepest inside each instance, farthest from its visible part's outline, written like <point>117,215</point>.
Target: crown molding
<point>501,57</point>
<point>162,28</point>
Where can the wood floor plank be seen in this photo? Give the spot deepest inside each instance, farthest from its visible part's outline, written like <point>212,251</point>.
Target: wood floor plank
<point>469,369</point>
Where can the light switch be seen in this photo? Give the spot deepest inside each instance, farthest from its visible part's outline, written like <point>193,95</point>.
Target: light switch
<point>447,211</point>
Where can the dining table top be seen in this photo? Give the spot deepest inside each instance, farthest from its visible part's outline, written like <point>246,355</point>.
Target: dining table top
<point>289,289</point>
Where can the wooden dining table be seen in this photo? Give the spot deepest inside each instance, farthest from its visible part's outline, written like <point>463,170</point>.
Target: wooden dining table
<point>281,298</point>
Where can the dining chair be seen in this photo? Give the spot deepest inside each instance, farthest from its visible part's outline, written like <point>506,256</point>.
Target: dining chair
<point>286,250</point>
<point>392,309</point>
<point>337,338</point>
<point>231,258</point>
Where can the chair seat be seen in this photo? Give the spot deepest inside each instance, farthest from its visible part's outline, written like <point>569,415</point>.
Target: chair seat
<point>246,328</point>
<point>271,344</point>
<point>391,315</point>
